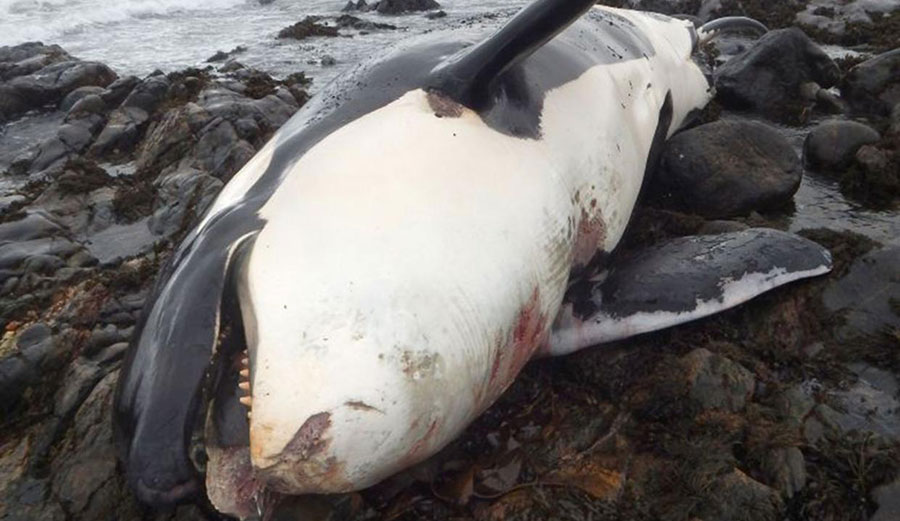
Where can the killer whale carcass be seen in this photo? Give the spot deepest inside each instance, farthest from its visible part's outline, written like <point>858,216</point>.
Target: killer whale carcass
<point>393,257</point>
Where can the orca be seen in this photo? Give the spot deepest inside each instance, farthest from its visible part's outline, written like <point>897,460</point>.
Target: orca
<point>379,273</point>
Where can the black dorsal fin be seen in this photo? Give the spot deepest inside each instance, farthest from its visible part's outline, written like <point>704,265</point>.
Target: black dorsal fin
<point>467,78</point>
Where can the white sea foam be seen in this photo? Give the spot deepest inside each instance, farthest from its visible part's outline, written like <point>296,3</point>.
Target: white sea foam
<point>28,20</point>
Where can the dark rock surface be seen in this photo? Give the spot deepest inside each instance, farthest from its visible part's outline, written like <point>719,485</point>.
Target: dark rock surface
<point>727,168</point>
<point>34,76</point>
<point>832,145</point>
<point>78,253</point>
<point>307,28</point>
<point>769,78</point>
<point>868,297</point>
<point>874,85</point>
<point>353,22</point>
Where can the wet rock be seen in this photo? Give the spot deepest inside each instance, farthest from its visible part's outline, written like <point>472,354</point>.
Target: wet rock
<point>797,402</point>
<point>874,85</point>
<point>405,6</point>
<point>221,56</point>
<point>867,295</point>
<point>769,77</point>
<point>832,145</point>
<point>359,5</point>
<point>35,350</point>
<point>888,499</point>
<point>27,58</point>
<point>727,168</point>
<point>90,104</point>
<point>122,132</point>
<point>874,179</point>
<point>149,93</point>
<point>78,382</point>
<point>116,92</point>
<point>785,469</point>
<point>183,191</point>
<point>839,17</point>
<point>34,225</point>
<point>220,151</point>
<point>349,21</point>
<point>741,497</point>
<point>306,28</point>
<point>169,140</point>
<point>84,476</point>
<point>49,86</point>
<point>436,15</point>
<point>76,95</point>
<point>715,382</point>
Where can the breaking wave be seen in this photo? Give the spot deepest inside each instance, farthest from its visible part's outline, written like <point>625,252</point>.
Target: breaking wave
<point>48,20</point>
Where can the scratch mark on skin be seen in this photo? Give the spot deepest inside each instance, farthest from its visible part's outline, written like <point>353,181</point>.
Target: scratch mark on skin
<point>362,406</point>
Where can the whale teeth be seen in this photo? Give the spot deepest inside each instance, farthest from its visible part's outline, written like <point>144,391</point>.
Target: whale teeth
<point>244,386</point>
<point>246,400</point>
<point>245,373</point>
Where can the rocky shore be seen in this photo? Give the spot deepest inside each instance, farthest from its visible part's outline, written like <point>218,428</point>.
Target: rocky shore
<point>786,408</point>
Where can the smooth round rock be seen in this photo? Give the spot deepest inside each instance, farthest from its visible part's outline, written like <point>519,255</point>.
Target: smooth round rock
<point>832,145</point>
<point>769,77</point>
<point>726,169</point>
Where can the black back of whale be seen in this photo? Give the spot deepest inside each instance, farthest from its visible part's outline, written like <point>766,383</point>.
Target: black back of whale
<point>160,391</point>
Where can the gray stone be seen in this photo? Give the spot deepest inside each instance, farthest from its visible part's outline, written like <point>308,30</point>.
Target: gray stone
<point>116,92</point>
<point>80,378</point>
<point>716,382</point>
<point>176,193</point>
<point>769,76</point>
<point>785,469</point>
<point>888,499</point>
<point>77,95</point>
<point>50,85</point>
<point>726,169</point>
<point>832,145</point>
<point>148,94</point>
<point>84,476</point>
<point>90,104</point>
<point>122,132</point>
<point>874,85</point>
<point>741,498</point>
<point>867,296</point>
<point>75,137</point>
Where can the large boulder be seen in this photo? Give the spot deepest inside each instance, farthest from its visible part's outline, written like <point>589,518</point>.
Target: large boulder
<point>727,168</point>
<point>49,85</point>
<point>832,145</point>
<point>772,76</point>
<point>874,85</point>
<point>27,58</point>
